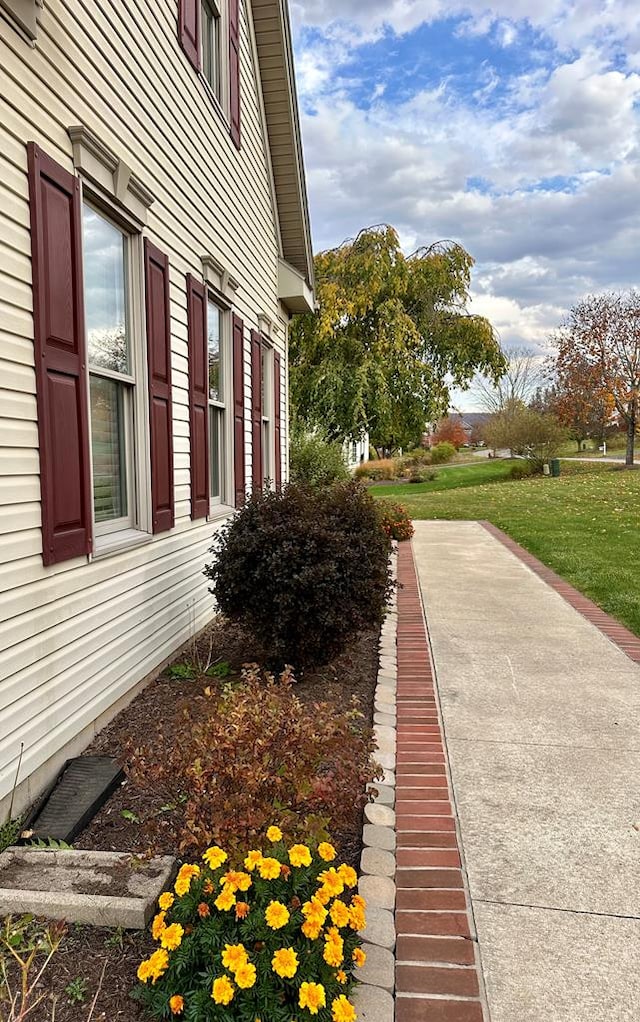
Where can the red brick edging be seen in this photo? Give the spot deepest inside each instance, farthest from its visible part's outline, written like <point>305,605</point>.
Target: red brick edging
<point>437,970</point>
<point>616,632</point>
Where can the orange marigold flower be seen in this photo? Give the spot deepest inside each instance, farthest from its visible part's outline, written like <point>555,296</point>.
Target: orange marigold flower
<point>242,910</point>
<point>184,878</point>
<point>348,875</point>
<point>208,887</point>
<point>237,881</point>
<point>285,871</point>
<point>158,926</point>
<point>203,910</point>
<point>342,1010</point>
<point>341,976</point>
<point>176,1004</point>
<point>359,957</point>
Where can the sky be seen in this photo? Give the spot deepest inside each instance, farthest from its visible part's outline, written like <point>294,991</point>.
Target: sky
<point>507,126</point>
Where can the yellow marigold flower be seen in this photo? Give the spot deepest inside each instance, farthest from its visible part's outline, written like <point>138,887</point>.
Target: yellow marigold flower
<point>166,900</point>
<point>342,1010</point>
<point>158,925</point>
<point>223,990</point>
<point>242,910</point>
<point>323,894</point>
<point>144,971</point>
<point>277,915</point>
<point>314,909</point>
<point>312,997</point>
<point>158,964</point>
<point>311,929</point>
<point>246,976</point>
<point>332,882</point>
<point>233,956</point>
<point>358,901</point>
<point>214,857</point>
<point>333,953</point>
<point>176,1004</point>
<point>359,957</point>
<point>252,860</point>
<point>326,851</point>
<point>341,976</point>
<point>339,914</point>
<point>285,963</point>
<point>274,834</point>
<point>348,875</point>
<point>357,919</point>
<point>225,900</point>
<point>299,855</point>
<point>269,869</point>
<point>184,878</point>
<point>171,938</point>
<point>237,881</point>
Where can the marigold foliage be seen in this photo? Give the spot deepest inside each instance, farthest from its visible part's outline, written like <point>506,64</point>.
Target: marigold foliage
<point>242,753</point>
<point>224,969</point>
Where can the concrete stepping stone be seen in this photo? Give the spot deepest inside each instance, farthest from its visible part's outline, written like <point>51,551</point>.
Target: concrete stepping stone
<point>379,892</point>
<point>379,968</point>
<point>378,862</point>
<point>373,1004</point>
<point>379,815</point>
<point>380,928</point>
<point>98,888</point>
<point>379,837</point>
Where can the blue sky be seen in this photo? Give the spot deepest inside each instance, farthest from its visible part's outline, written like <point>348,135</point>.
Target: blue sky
<point>510,127</point>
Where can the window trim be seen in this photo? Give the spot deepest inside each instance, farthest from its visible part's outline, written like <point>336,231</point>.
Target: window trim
<point>268,415</point>
<point>221,102</point>
<point>219,506</point>
<point>138,519</point>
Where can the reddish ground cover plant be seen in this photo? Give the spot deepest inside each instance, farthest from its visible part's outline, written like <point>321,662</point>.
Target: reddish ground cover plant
<point>395,520</point>
<point>238,755</point>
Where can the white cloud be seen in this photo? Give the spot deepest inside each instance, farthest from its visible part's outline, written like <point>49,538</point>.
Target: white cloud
<point>539,243</point>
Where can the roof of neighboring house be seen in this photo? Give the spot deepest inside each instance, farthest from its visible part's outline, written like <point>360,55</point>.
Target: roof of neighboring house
<point>472,419</point>
<point>275,56</point>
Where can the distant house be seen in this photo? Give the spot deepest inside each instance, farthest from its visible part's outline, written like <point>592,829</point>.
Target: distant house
<point>356,452</point>
<point>471,423</point>
<point>155,244</point>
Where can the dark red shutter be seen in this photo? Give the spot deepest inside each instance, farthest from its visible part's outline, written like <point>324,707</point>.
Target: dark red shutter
<point>60,357</point>
<point>189,30</point>
<point>238,411</point>
<point>198,396</point>
<point>277,417</point>
<point>160,406</point>
<point>257,467</point>
<point>234,70</point>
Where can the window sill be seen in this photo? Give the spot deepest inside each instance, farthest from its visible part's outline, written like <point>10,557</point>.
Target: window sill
<point>220,511</point>
<point>116,542</point>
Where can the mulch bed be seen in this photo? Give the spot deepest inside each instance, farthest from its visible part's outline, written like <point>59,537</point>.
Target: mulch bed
<point>86,951</point>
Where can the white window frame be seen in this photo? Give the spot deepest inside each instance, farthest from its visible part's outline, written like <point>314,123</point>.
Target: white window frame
<point>268,411</point>
<point>136,525</point>
<point>221,505</point>
<point>219,10</point>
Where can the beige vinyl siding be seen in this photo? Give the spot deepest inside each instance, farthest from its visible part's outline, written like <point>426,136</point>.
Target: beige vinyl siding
<point>76,638</point>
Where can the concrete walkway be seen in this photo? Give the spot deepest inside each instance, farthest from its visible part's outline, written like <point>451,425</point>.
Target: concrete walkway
<point>541,715</point>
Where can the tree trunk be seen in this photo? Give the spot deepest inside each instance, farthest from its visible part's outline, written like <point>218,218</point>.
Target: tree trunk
<point>631,433</point>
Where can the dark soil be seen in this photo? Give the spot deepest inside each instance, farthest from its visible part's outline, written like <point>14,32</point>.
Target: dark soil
<point>85,950</point>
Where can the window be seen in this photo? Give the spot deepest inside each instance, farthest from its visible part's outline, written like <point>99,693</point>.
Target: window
<point>211,22</point>
<point>106,261</point>
<point>217,398</point>
<point>267,414</point>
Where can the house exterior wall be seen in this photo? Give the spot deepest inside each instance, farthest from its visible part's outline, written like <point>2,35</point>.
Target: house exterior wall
<point>78,638</point>
<point>356,452</point>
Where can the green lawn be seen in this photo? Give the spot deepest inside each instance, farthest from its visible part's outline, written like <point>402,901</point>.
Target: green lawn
<point>585,525</point>
<point>449,477</point>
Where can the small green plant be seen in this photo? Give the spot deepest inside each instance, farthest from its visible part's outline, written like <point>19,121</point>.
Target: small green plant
<point>27,946</point>
<point>130,816</point>
<point>315,461</point>
<point>77,990</point>
<point>521,470</point>
<point>10,832</point>
<point>115,940</point>
<point>49,842</point>
<point>220,670</point>
<point>182,671</point>
<point>274,938</point>
<point>442,453</point>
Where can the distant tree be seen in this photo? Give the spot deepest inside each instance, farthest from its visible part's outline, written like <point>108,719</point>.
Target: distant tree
<point>523,376</point>
<point>390,337</point>
<point>598,364</point>
<point>450,430</point>
<point>527,433</point>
